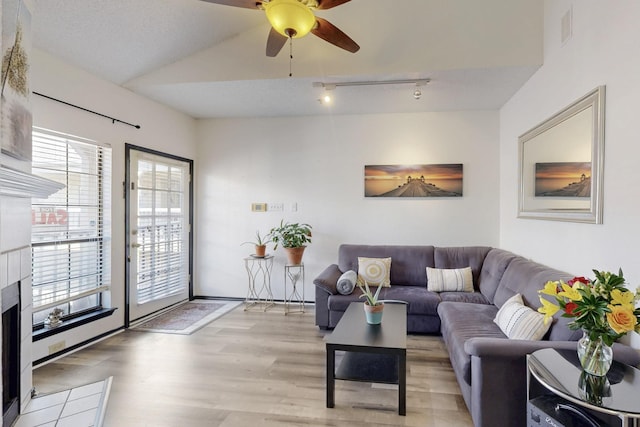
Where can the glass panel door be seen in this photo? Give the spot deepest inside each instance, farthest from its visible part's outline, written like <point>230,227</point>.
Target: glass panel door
<point>158,232</point>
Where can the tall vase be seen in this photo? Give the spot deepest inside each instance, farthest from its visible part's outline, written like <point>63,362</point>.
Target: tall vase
<point>595,356</point>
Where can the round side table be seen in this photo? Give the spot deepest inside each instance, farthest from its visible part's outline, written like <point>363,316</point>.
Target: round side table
<point>616,395</point>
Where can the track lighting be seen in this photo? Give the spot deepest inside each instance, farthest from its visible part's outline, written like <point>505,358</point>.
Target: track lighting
<point>326,98</point>
<point>417,93</point>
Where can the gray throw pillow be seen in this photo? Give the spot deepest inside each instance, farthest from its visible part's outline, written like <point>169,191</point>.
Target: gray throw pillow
<point>347,282</point>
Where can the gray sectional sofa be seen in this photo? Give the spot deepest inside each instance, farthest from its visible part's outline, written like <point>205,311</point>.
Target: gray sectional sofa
<point>490,368</point>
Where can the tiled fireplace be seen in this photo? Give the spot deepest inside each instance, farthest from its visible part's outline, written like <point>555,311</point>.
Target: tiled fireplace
<point>16,189</point>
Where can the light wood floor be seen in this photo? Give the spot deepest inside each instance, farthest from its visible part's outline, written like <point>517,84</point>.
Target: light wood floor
<point>252,369</point>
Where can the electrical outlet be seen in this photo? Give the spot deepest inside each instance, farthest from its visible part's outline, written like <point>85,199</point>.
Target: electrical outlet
<point>276,207</point>
<point>57,347</point>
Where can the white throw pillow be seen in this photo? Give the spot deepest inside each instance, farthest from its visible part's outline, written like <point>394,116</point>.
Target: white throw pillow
<point>449,279</point>
<point>519,322</point>
<point>376,271</point>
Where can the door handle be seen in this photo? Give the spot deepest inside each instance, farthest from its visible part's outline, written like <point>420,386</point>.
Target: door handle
<point>135,245</point>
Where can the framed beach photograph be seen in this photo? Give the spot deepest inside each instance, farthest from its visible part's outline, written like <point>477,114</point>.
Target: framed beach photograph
<point>418,181</point>
<point>561,164</point>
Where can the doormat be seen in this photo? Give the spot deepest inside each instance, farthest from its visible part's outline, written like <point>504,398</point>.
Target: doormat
<point>188,317</point>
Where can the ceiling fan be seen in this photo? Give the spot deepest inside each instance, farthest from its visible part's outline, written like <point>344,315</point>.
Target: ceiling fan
<point>295,18</point>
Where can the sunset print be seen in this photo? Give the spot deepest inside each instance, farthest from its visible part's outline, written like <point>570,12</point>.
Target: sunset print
<point>444,180</point>
<point>563,179</point>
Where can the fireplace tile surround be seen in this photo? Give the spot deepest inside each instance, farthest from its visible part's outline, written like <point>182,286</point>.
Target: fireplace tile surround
<point>17,186</point>
<point>15,266</point>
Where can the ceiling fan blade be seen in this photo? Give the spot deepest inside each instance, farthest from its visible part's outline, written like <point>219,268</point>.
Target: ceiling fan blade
<point>247,4</point>
<point>329,32</point>
<point>328,4</point>
<point>275,42</point>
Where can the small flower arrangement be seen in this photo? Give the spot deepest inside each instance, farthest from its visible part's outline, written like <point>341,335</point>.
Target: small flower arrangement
<point>603,308</point>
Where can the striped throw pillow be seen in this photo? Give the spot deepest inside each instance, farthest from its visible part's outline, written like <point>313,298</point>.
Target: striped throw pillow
<point>519,322</point>
<point>449,279</point>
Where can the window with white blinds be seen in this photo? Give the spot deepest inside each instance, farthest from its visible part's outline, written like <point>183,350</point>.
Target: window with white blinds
<point>71,229</point>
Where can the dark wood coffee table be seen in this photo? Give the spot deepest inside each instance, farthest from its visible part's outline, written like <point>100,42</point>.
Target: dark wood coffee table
<point>373,353</point>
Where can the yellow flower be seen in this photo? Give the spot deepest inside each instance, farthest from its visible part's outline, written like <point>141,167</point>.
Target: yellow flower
<point>550,288</point>
<point>548,309</point>
<point>621,319</point>
<point>571,292</point>
<point>624,299</point>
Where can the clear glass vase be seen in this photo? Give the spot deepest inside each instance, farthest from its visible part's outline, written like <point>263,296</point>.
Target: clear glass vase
<point>594,355</point>
<point>594,389</point>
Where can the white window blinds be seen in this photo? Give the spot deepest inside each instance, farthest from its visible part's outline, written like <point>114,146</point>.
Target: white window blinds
<point>71,229</point>
<point>162,228</point>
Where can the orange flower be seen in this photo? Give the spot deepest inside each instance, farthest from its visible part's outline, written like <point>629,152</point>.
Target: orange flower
<point>621,319</point>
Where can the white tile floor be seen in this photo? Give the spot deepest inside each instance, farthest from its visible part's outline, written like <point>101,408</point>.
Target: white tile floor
<point>82,406</point>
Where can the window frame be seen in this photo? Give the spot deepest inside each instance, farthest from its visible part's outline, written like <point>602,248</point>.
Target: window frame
<point>102,238</point>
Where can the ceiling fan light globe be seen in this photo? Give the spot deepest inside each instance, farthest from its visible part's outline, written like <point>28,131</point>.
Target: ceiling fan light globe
<point>290,17</point>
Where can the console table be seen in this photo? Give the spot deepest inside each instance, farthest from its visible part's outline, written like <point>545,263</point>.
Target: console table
<point>617,395</point>
<point>259,272</point>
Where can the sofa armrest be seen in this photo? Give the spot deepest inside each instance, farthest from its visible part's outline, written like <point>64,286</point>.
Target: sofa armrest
<point>328,279</point>
<point>506,348</point>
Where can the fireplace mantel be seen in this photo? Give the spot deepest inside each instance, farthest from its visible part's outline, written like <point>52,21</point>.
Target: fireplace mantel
<point>16,183</point>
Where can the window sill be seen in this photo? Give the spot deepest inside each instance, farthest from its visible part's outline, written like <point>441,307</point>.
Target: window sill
<point>42,332</point>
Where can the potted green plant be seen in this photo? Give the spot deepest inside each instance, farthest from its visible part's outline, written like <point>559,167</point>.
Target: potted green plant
<point>373,307</point>
<point>260,244</point>
<point>293,238</point>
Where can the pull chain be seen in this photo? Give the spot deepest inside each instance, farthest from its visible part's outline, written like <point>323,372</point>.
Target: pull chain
<point>290,55</point>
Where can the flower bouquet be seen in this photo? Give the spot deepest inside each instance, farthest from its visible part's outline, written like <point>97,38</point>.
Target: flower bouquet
<point>603,308</point>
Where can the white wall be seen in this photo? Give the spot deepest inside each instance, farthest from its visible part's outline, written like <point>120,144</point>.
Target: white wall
<point>318,163</point>
<point>602,51</point>
<point>161,129</point>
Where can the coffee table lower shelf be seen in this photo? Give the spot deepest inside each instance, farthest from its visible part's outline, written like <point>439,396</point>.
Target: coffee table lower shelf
<point>368,367</point>
<point>364,366</point>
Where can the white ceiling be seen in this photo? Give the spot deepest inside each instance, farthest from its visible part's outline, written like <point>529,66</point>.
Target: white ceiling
<point>208,60</point>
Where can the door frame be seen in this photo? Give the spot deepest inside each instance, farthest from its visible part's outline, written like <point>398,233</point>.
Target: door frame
<point>126,186</point>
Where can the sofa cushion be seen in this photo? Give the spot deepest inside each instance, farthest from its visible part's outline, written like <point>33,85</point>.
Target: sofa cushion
<point>461,321</point>
<point>460,257</point>
<point>527,278</point>
<point>420,301</point>
<point>517,321</point>
<point>341,302</point>
<point>449,279</point>
<point>409,262</point>
<point>468,297</point>
<point>374,271</point>
<point>495,263</point>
